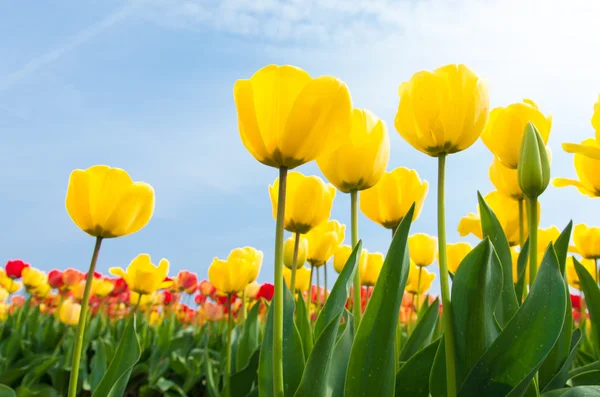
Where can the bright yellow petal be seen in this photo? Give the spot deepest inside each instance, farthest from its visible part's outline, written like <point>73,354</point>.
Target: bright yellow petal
<point>132,212</point>
<point>592,152</point>
<point>78,200</point>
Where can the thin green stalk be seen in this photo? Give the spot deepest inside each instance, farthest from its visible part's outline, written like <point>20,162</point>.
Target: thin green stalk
<point>325,281</point>
<point>60,341</point>
<point>76,360</point>
<point>309,298</point>
<point>521,223</point>
<point>419,289</point>
<point>244,309</point>
<point>356,307</point>
<point>318,289</point>
<point>533,239</point>
<point>227,388</point>
<point>294,263</point>
<point>597,271</point>
<point>445,287</point>
<point>278,318</point>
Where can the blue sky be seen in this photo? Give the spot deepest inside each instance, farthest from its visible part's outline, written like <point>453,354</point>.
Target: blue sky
<point>147,86</point>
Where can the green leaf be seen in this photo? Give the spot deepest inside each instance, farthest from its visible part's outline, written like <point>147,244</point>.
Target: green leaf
<point>476,290</point>
<point>249,339</point>
<point>6,391</point>
<point>509,364</point>
<point>99,363</point>
<point>293,353</point>
<point>336,301</point>
<point>592,299</point>
<point>114,382</point>
<point>560,378</point>
<point>491,227</point>
<point>437,377</point>
<point>422,332</point>
<point>303,325</point>
<point>38,390</point>
<point>242,381</point>
<point>413,378</point>
<point>213,390</point>
<point>316,373</point>
<point>583,391</point>
<point>372,366</point>
<point>341,355</point>
<point>522,271</point>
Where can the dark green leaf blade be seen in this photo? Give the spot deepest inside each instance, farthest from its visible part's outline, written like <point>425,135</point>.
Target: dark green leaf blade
<point>304,327</point>
<point>522,261</point>
<point>592,299</point>
<point>413,378</point>
<point>341,355</point>
<point>422,332</point>
<point>249,338</point>
<point>242,381</point>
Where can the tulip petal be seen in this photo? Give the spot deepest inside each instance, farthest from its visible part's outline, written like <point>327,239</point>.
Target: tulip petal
<point>132,212</point>
<point>592,152</point>
<point>247,124</point>
<point>106,187</point>
<point>117,271</point>
<point>78,200</point>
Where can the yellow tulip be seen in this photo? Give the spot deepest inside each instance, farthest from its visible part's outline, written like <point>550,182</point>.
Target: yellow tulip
<point>252,258</point>
<point>230,276</point>
<point>588,148</point>
<point>323,241</point>
<point>596,117</point>
<point>342,254</point>
<point>102,287</point>
<point>156,318</point>
<point>587,241</point>
<point>422,249</point>
<point>586,167</point>
<point>288,252</point>
<point>251,290</point>
<point>42,290</point>
<point>69,312</point>
<point>308,202</point>
<point>361,161</point>
<point>8,283</point>
<point>547,236</point>
<point>77,290</point>
<point>413,286</point>
<point>515,266</point>
<point>105,202</point>
<point>302,278</point>
<point>141,299</point>
<point>142,276</point>
<point>3,312</point>
<point>389,200</point>
<point>505,180</point>
<point>573,278</point>
<point>504,131</point>
<point>3,295</point>
<point>370,268</point>
<point>443,111</point>
<point>456,253</point>
<point>286,118</point>
<point>33,278</point>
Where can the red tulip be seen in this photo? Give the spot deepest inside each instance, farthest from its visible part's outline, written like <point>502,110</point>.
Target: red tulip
<point>576,301</point>
<point>72,277</point>
<point>14,268</point>
<point>266,291</point>
<point>187,281</point>
<point>200,299</point>
<point>167,297</point>
<point>120,287</point>
<point>206,288</point>
<point>55,279</point>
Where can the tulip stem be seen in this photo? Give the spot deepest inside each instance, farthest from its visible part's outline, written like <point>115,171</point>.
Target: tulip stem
<point>244,309</point>
<point>309,298</point>
<point>419,290</point>
<point>76,360</point>
<point>597,271</point>
<point>533,239</point>
<point>227,389</point>
<point>318,290</point>
<point>294,263</point>
<point>325,282</point>
<point>445,287</point>
<point>356,307</point>
<point>278,318</point>
<point>521,224</point>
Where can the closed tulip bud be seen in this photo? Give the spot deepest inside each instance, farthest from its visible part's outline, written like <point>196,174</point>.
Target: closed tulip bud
<point>33,278</point>
<point>534,165</point>
<point>323,241</point>
<point>206,288</point>
<point>370,268</point>
<point>142,276</point>
<point>266,291</point>
<point>414,285</point>
<point>187,281</point>
<point>14,268</point>
<point>251,256</point>
<point>3,311</point>
<point>302,278</point>
<point>55,279</point>
<point>506,180</point>
<point>9,284</point>
<point>573,277</point>
<point>230,276</point>
<point>72,277</point>
<point>105,202</point>
<point>587,241</point>
<point>68,313</point>
<point>361,161</point>
<point>342,254</point>
<point>287,118</point>
<point>444,111</point>
<point>288,252</point>
<point>102,287</point>
<point>388,202</point>
<point>586,167</point>
<point>422,249</point>
<point>308,202</point>
<point>456,253</point>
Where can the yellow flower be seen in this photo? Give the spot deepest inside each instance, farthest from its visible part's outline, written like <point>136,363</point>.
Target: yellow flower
<point>3,295</point>
<point>302,278</point>
<point>8,283</point>
<point>422,249</point>
<point>105,202</point>
<point>515,266</point>
<point>42,290</point>
<point>33,278</point>
<point>547,236</point>
<point>156,318</point>
<point>596,117</point>
<point>505,180</point>
<point>251,290</point>
<point>78,289</point>
<point>286,118</point>
<point>342,254</point>
<point>389,200</point>
<point>3,311</point>
<point>288,252</point>
<point>590,149</point>
<point>102,287</point>
<point>413,286</point>
<point>456,253</point>
<point>587,241</point>
<point>142,276</point>
<point>443,111</point>
<point>573,278</point>
<point>361,161</point>
<point>232,275</point>
<point>141,299</point>
<point>504,131</point>
<point>586,168</point>
<point>308,202</point>
<point>370,268</point>
<point>252,258</point>
<point>323,241</point>
<point>69,312</point>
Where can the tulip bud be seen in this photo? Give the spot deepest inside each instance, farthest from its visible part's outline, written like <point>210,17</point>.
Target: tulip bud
<point>534,165</point>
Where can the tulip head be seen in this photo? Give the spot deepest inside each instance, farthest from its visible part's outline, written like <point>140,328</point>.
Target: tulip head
<point>206,288</point>
<point>266,291</point>
<point>187,281</point>
<point>323,241</point>
<point>102,287</point>
<point>573,277</point>
<point>587,241</point>
<point>105,202</point>
<point>547,236</point>
<point>362,159</point>
<point>370,268</point>
<point>231,275</point>
<point>55,279</point>
<point>302,278</point>
<point>68,313</point>
<point>8,284</point>
<point>14,268</point>
<point>286,118</point>
<point>505,180</point>
<point>142,276</point>
<point>342,254</point>
<point>416,286</point>
<point>252,258</point>
<point>456,253</point>
<point>72,277</point>
<point>534,164</point>
<point>388,202</point>
<point>422,249</point>
<point>444,111</point>
<point>288,252</point>
<point>587,163</point>
<point>33,278</point>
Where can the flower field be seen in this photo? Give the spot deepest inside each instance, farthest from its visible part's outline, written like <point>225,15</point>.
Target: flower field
<point>517,315</point>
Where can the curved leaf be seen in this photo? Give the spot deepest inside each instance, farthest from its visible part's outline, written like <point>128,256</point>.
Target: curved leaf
<point>509,364</point>
<point>372,367</point>
<point>242,381</point>
<point>592,299</point>
<point>422,332</point>
<point>476,290</point>
<point>560,378</point>
<point>522,261</point>
<point>303,325</point>
<point>583,391</point>
<point>249,339</point>
<point>341,355</point>
<point>437,377</point>
<point>6,391</point>
<point>413,378</point>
